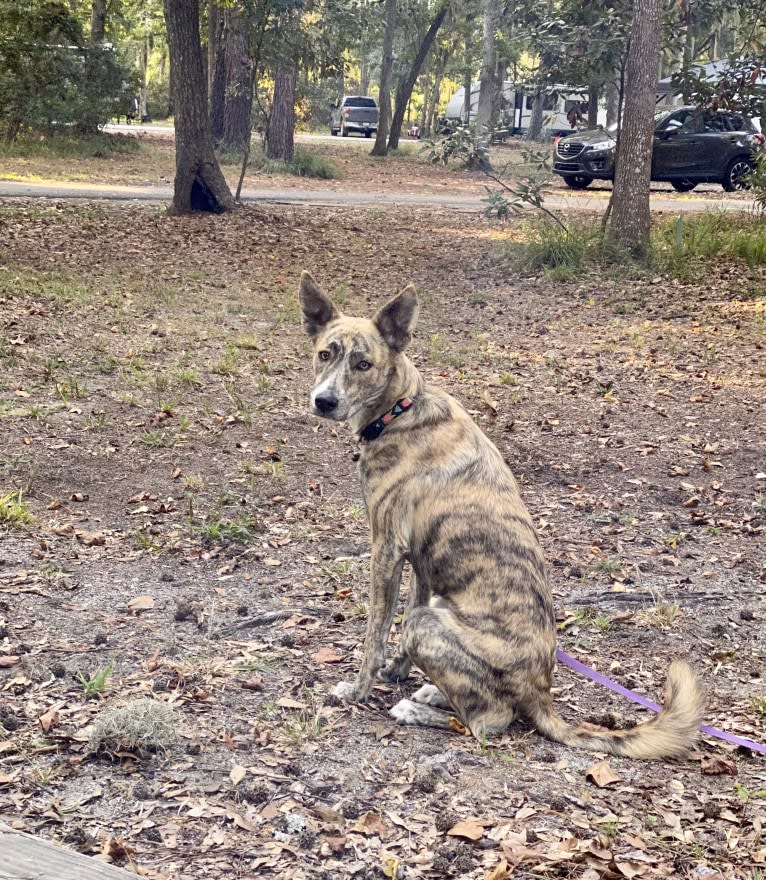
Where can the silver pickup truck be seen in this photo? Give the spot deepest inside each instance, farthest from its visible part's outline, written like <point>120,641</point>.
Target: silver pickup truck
<point>354,113</point>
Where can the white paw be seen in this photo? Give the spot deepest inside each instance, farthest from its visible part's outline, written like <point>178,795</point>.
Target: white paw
<point>405,712</point>
<point>344,690</point>
<point>430,695</point>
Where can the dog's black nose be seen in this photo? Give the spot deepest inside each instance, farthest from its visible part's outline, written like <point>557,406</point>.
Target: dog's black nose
<point>326,403</point>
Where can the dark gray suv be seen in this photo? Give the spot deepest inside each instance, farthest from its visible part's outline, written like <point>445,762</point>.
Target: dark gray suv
<point>691,146</point>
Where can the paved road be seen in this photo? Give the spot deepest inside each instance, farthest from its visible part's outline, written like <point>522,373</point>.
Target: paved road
<point>339,198</point>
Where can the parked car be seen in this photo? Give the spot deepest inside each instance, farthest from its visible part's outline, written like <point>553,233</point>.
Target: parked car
<point>354,113</point>
<point>691,146</point>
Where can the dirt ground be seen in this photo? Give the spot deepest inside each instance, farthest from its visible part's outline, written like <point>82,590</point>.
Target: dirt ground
<point>197,539</point>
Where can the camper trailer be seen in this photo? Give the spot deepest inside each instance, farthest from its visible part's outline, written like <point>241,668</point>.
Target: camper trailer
<point>560,102</point>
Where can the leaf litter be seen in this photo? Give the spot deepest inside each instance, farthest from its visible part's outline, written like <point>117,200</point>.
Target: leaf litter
<point>214,560</point>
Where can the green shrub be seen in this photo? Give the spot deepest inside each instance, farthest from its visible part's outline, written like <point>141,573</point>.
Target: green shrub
<point>304,164</point>
<point>64,145</point>
<point>562,252</point>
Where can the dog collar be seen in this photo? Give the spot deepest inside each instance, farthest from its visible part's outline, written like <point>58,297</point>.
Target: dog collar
<point>375,429</point>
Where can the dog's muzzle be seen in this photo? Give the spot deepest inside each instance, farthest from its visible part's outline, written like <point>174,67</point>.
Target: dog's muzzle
<point>325,404</point>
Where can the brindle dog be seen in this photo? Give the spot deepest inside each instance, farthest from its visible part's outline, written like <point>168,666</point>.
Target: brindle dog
<point>479,620</point>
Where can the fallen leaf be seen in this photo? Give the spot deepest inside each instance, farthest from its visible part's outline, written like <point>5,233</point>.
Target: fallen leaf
<point>602,774</point>
<point>390,867</point>
<point>141,603</point>
<point>327,655</point>
<point>237,774</point>
<point>372,824</point>
<point>714,765</point>
<point>8,660</point>
<point>499,872</point>
<point>290,703</point>
<point>91,539</point>
<point>468,829</point>
<point>48,719</point>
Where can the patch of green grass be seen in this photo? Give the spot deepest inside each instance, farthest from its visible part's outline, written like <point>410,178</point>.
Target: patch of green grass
<point>95,684</point>
<point>28,146</point>
<point>562,253</point>
<point>684,245</point>
<point>304,164</point>
<point>14,512</point>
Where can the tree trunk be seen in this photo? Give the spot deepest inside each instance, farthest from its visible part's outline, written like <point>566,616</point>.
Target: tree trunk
<point>97,22</point>
<point>199,184</point>
<point>407,83</point>
<point>613,97</point>
<point>536,118</point>
<point>364,68</point>
<point>467,96</point>
<point>384,102</point>
<point>217,73</point>
<point>594,93</point>
<point>488,87</point>
<point>280,143</point>
<point>238,106</point>
<point>213,35</point>
<point>631,219</point>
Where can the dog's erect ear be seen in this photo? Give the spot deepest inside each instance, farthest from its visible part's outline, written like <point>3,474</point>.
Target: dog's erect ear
<point>396,320</point>
<point>318,308</point>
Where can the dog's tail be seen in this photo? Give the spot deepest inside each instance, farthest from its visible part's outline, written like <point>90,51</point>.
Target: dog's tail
<point>668,734</point>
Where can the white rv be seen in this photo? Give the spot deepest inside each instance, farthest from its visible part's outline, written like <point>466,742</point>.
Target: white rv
<point>560,100</point>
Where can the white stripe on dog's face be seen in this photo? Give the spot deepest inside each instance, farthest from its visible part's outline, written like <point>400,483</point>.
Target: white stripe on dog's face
<point>352,365</point>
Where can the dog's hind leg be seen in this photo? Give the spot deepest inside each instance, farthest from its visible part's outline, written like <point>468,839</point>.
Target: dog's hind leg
<point>447,651</point>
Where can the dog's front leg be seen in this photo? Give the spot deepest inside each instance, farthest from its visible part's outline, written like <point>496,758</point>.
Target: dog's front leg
<point>386,574</point>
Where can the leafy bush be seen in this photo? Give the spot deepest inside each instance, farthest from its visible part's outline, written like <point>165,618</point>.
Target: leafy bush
<point>65,145</point>
<point>463,144</point>
<point>49,79</point>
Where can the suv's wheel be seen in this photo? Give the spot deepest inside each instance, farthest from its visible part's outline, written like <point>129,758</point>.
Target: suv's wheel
<point>343,131</point>
<point>333,131</point>
<point>577,181</point>
<point>736,173</point>
<point>683,186</point>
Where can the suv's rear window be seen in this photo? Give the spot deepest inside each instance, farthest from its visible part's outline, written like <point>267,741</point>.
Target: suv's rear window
<point>359,102</point>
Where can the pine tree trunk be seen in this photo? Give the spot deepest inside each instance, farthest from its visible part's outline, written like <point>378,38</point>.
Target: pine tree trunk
<point>97,22</point>
<point>239,99</point>
<point>213,35</point>
<point>407,83</point>
<point>631,219</point>
<point>280,143</point>
<point>386,69</point>
<point>488,86</point>
<point>535,128</point>
<point>217,102</point>
<point>199,184</point>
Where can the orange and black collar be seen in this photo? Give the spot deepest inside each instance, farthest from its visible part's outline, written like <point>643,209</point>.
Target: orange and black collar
<point>375,429</point>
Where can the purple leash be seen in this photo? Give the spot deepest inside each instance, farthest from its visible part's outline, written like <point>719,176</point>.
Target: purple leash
<point>577,666</point>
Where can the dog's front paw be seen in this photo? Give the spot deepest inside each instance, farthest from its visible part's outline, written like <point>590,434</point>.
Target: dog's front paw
<point>349,692</point>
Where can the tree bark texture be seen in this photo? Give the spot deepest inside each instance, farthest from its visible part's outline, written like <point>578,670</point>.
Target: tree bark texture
<point>631,221</point>
<point>213,34</point>
<point>280,143</point>
<point>238,105</point>
<point>217,77</point>
<point>488,84</point>
<point>97,22</point>
<point>535,127</point>
<point>407,83</point>
<point>386,68</point>
<point>199,184</point>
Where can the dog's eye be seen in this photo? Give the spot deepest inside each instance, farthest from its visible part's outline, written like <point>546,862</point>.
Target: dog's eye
<point>324,355</point>
<point>363,365</point>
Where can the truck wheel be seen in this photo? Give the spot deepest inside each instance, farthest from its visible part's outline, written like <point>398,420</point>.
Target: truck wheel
<point>343,131</point>
<point>577,181</point>
<point>736,174</point>
<point>333,131</point>
<point>683,186</point>
<point>367,133</point>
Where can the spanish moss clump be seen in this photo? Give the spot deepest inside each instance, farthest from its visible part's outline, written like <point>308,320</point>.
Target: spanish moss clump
<point>137,726</point>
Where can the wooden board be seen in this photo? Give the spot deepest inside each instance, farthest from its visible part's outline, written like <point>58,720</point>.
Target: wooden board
<point>23,857</point>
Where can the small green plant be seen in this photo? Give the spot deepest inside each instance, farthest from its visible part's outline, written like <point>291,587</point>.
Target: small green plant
<point>758,705</point>
<point>304,164</point>
<point>463,144</point>
<point>228,365</point>
<point>663,614</point>
<point>14,512</point>
<point>96,684</point>
<point>156,439</point>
